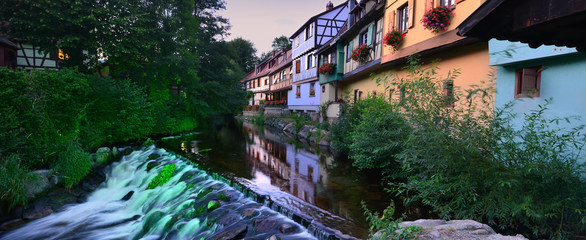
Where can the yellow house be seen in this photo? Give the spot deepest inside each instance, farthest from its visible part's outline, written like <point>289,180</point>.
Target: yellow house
<point>469,56</point>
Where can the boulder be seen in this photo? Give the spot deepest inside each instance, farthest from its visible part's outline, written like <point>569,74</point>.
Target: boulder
<point>38,183</point>
<point>457,229</point>
<point>290,129</point>
<point>103,155</point>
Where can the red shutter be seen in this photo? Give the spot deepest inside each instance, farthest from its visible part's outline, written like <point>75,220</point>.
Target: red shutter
<point>298,66</point>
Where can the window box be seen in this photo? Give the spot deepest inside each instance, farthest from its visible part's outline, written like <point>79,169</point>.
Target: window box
<point>437,18</point>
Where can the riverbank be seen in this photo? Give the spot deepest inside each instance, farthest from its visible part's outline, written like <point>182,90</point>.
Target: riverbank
<point>45,192</point>
<point>295,129</point>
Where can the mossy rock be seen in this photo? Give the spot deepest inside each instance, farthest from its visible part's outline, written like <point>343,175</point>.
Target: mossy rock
<point>103,155</point>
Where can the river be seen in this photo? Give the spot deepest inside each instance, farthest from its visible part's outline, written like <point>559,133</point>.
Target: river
<point>231,180</point>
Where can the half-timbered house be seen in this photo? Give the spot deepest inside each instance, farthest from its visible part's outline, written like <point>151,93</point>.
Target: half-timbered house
<point>280,78</point>
<point>318,30</point>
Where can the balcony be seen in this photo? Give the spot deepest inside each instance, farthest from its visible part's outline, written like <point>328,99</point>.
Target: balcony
<point>285,84</point>
<point>307,74</point>
<point>260,89</point>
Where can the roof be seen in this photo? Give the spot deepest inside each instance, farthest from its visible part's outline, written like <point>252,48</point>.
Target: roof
<point>377,11</point>
<point>288,60</point>
<point>248,76</point>
<point>316,17</point>
<point>8,43</point>
<point>535,22</point>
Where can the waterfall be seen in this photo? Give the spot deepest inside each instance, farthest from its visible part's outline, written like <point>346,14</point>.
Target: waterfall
<point>191,205</point>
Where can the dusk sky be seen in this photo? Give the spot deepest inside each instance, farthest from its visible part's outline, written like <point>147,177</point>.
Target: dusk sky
<point>260,21</point>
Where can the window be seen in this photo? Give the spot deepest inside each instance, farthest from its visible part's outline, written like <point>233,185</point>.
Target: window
<point>355,95</point>
<point>323,89</point>
<point>266,81</point>
<point>298,93</point>
<point>447,3</point>
<point>449,99</point>
<point>348,51</point>
<point>528,82</point>
<point>312,89</point>
<point>402,18</point>
<point>309,31</point>
<point>298,66</point>
<point>310,61</point>
<point>364,38</point>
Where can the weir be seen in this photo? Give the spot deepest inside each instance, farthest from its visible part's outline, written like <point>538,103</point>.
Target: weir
<point>191,205</point>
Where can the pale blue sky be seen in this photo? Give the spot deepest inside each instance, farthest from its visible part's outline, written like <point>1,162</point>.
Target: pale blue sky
<point>260,21</point>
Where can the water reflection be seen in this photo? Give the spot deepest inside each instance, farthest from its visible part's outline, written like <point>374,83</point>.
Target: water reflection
<point>270,163</point>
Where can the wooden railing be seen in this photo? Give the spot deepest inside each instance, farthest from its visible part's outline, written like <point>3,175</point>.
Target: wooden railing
<point>282,85</point>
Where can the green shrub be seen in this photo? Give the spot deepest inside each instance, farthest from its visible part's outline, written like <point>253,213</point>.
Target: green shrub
<point>259,119</point>
<point>470,164</point>
<point>163,177</point>
<point>378,137</point>
<point>13,177</point>
<point>119,111</point>
<point>350,116</point>
<point>387,227</point>
<point>73,164</point>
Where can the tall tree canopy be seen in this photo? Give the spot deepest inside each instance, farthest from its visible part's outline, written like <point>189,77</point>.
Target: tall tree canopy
<point>245,53</point>
<point>157,44</point>
<point>281,42</point>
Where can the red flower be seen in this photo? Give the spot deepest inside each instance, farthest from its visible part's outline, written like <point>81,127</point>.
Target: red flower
<point>394,38</point>
<point>326,68</point>
<point>361,53</point>
<point>437,19</point>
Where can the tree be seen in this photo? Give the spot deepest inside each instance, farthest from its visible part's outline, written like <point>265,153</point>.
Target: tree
<point>159,45</point>
<point>281,43</point>
<point>245,53</point>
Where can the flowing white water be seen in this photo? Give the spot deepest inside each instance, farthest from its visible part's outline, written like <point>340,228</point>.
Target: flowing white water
<point>166,212</point>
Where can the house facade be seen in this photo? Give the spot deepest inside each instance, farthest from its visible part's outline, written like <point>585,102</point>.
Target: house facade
<point>533,77</point>
<point>365,29</point>
<point>534,65</point>
<point>24,56</point>
<point>304,97</point>
<point>280,76</point>
<point>468,56</point>
<point>259,83</point>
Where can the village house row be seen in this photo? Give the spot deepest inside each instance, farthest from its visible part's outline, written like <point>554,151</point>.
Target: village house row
<point>339,54</point>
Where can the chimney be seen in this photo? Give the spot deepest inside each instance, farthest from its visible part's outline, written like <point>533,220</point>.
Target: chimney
<point>329,6</point>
